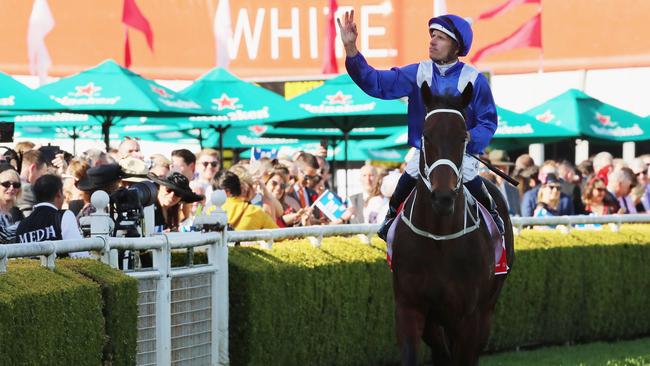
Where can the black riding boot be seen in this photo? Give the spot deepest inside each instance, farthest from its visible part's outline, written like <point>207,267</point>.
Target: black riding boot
<point>404,186</point>
<point>477,188</point>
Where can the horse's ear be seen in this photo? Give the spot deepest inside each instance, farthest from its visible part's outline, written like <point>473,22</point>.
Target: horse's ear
<point>427,96</point>
<point>466,96</point>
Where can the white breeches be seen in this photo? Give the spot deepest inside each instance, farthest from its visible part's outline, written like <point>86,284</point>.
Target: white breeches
<point>469,171</point>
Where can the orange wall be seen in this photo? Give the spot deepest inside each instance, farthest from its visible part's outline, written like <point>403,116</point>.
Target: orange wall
<point>576,34</point>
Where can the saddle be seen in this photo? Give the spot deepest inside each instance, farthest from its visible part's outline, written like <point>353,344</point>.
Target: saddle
<point>498,241</point>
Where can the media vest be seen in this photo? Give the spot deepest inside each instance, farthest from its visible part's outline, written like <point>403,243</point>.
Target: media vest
<point>43,224</point>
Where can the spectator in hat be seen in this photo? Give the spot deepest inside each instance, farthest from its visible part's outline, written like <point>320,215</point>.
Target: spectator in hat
<point>184,162</point>
<point>48,221</point>
<point>173,191</point>
<point>103,177</point>
<point>501,160</point>
<point>548,197</point>
<point>242,215</point>
<point>134,170</point>
<point>10,215</point>
<point>530,199</point>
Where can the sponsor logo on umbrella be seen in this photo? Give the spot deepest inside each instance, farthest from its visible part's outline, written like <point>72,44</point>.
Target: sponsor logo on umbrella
<point>504,129</point>
<point>605,120</point>
<point>258,129</point>
<point>160,91</point>
<point>545,117</point>
<point>226,102</point>
<point>86,95</point>
<point>8,100</point>
<point>339,98</point>
<point>88,90</point>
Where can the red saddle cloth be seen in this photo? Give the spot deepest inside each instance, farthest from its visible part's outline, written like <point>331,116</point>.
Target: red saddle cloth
<point>498,241</point>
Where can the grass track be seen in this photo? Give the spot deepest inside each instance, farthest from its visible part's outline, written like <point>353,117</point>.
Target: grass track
<point>623,353</point>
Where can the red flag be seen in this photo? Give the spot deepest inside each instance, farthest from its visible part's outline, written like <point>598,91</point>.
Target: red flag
<point>132,17</point>
<point>528,35</point>
<point>500,9</point>
<point>329,54</point>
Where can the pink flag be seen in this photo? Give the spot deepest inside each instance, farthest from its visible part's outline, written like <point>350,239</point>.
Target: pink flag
<point>41,23</point>
<point>528,35</point>
<point>223,33</point>
<point>329,53</point>
<point>500,9</point>
<point>132,17</point>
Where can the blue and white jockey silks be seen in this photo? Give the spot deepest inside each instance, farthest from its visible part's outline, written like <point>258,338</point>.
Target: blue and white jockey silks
<point>399,82</point>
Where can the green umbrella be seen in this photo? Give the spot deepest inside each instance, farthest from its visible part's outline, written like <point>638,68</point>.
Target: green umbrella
<point>288,149</point>
<point>15,96</point>
<point>340,103</point>
<point>519,129</point>
<point>591,118</point>
<point>237,103</point>
<point>110,93</point>
<point>84,126</point>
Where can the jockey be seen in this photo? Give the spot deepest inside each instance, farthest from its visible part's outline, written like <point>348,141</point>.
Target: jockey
<point>451,37</point>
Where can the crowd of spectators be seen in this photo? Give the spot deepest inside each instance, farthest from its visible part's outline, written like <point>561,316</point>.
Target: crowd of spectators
<point>271,193</point>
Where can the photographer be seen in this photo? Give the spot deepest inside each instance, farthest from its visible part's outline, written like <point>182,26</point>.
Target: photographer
<point>48,221</point>
<point>103,177</point>
<point>173,190</point>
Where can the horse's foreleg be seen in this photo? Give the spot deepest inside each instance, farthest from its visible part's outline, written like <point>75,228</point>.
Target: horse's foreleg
<point>409,321</point>
<point>466,343</point>
<point>434,336</point>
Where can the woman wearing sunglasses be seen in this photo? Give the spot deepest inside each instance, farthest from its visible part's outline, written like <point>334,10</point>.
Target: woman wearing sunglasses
<point>277,181</point>
<point>10,215</point>
<point>597,200</point>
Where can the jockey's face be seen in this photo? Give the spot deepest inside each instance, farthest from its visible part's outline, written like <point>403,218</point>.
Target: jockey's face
<point>442,48</point>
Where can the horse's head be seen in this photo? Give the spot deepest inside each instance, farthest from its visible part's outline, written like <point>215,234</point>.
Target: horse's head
<point>444,138</point>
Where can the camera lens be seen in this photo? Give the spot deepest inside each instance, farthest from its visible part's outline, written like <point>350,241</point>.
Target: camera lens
<point>147,192</point>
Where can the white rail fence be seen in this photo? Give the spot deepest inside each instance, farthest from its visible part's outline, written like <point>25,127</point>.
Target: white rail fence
<point>183,312</point>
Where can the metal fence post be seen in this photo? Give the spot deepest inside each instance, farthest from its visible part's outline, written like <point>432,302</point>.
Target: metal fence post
<point>162,262</point>
<point>218,258</point>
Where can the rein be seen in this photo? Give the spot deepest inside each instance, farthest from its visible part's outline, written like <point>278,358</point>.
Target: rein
<point>476,220</point>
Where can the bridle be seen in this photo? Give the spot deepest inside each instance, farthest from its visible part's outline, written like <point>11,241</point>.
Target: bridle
<point>429,168</point>
<point>475,218</point>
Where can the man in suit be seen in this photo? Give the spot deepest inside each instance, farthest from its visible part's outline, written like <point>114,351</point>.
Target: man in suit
<point>369,178</point>
<point>501,160</point>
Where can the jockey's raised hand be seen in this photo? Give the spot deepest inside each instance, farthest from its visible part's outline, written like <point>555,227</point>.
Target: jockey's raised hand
<point>349,33</point>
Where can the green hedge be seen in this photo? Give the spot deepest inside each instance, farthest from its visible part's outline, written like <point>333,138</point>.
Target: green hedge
<point>297,305</point>
<point>49,317</point>
<point>68,316</point>
<point>120,309</point>
<point>583,286</point>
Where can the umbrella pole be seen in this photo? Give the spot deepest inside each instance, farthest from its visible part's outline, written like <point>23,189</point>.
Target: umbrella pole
<point>106,130</point>
<point>335,182</point>
<point>74,141</point>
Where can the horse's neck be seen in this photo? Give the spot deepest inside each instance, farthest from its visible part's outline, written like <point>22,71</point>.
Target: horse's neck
<point>423,218</point>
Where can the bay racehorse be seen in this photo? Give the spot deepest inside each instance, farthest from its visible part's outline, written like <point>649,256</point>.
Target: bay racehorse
<point>443,256</point>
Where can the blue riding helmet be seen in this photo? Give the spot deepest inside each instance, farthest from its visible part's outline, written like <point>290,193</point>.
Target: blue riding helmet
<point>455,27</point>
